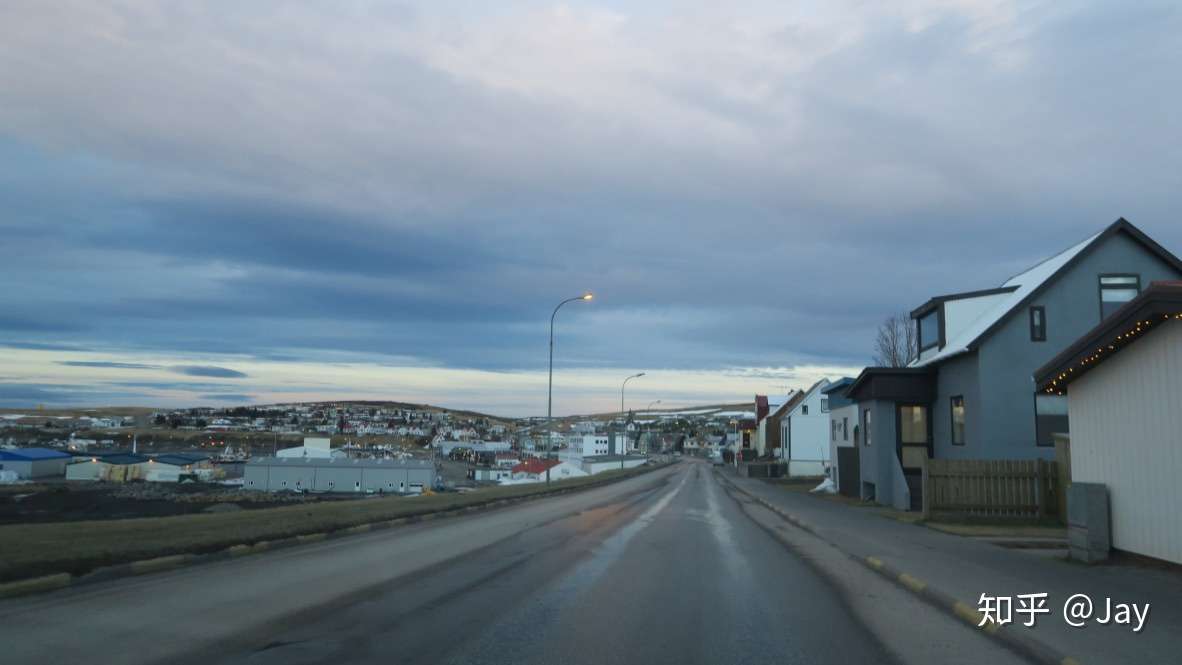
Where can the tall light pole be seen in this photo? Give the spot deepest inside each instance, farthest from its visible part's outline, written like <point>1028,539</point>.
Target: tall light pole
<point>550,385</point>
<point>650,406</point>
<point>623,422</point>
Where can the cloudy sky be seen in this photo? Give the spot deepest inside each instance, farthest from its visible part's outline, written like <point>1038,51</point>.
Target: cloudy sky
<point>219,203</point>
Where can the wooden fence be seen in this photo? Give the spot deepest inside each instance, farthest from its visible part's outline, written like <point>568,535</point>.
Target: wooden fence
<point>1021,489</point>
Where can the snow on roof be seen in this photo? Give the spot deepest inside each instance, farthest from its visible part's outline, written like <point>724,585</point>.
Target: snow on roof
<point>1027,282</point>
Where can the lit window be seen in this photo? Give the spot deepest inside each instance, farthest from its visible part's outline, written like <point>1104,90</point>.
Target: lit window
<point>913,424</point>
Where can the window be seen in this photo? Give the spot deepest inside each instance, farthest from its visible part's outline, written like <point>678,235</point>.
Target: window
<point>958,420</point>
<point>824,405</point>
<point>804,410</point>
<point>1038,324</point>
<point>866,425</point>
<point>913,425</point>
<point>1116,290</point>
<point>845,428</point>
<point>832,430</point>
<point>929,330</point>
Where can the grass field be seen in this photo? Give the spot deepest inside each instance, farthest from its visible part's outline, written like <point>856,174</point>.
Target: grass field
<point>30,550</point>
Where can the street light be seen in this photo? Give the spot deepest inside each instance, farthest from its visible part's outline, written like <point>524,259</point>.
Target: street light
<point>623,424</point>
<point>550,386</point>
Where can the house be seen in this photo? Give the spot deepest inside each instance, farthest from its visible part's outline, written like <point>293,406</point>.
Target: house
<point>768,412</point>
<point>489,473</point>
<point>968,394</point>
<point>1121,382</point>
<point>843,438</point>
<point>30,463</point>
<point>534,469</point>
<point>804,432</point>
<point>593,444</point>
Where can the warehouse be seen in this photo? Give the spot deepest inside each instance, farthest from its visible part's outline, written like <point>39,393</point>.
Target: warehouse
<point>276,474</point>
<point>594,464</point>
<point>34,462</point>
<point>114,468</point>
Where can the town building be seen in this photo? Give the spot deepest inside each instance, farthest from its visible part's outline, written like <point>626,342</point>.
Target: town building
<point>968,394</point>
<point>30,463</point>
<point>319,474</point>
<point>1122,383</point>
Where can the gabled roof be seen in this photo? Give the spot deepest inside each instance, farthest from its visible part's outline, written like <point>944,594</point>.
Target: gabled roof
<point>1158,304</point>
<point>535,465</point>
<point>800,397</point>
<point>1028,284</point>
<point>31,454</point>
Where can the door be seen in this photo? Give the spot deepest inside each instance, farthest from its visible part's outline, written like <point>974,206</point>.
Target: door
<point>849,472</point>
<point>914,445</point>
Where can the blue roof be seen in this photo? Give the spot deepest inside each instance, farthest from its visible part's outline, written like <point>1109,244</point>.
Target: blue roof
<point>30,454</point>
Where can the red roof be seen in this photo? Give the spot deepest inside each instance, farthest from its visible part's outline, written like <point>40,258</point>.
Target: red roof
<point>535,465</point>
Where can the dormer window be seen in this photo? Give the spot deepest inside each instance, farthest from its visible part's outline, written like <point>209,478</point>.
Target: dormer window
<point>928,327</point>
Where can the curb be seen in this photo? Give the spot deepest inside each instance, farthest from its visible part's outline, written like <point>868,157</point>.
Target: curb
<point>171,562</point>
<point>1024,645</point>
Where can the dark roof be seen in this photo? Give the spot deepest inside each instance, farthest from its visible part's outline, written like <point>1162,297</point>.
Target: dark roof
<point>935,301</point>
<point>123,458</point>
<point>1121,225</point>
<point>31,454</point>
<point>893,383</point>
<point>1161,302</point>
<point>1040,283</point>
<point>180,459</point>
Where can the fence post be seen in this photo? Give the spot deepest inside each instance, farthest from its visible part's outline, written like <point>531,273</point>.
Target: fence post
<point>1041,488</point>
<point>925,488</point>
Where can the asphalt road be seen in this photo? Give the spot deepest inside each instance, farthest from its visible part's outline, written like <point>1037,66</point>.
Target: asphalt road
<point>664,568</point>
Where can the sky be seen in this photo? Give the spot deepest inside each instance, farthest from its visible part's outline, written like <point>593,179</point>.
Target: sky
<point>226,203</point>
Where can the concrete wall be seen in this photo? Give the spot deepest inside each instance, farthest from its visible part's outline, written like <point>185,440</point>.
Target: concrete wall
<point>879,461</point>
<point>837,439</point>
<point>1008,357</point>
<point>1125,424</point>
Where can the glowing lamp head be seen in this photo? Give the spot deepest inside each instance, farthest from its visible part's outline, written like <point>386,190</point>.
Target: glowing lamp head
<point>588,296</point>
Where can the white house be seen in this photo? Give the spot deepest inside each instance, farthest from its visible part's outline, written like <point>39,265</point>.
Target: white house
<point>804,432</point>
<point>1122,388</point>
<point>593,444</point>
<point>533,470</point>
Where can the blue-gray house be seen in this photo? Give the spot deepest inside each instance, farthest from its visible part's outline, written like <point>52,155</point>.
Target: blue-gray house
<point>970,393</point>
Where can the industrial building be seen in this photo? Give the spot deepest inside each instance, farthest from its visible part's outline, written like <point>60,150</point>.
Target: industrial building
<point>34,462</point>
<point>115,468</point>
<point>276,474</point>
<point>594,464</point>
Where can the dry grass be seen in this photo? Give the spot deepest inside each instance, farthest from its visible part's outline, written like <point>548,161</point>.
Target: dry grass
<point>28,550</point>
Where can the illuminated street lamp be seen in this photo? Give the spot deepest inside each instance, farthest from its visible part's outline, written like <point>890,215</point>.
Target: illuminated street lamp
<point>550,386</point>
<point>623,424</point>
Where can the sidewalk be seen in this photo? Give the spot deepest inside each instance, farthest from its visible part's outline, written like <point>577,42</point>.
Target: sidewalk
<point>965,568</point>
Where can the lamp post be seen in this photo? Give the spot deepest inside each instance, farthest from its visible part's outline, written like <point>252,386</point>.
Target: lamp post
<point>623,423</point>
<point>650,406</point>
<point>550,385</point>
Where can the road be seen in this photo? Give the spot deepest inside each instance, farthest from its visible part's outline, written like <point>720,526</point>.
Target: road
<point>663,568</point>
